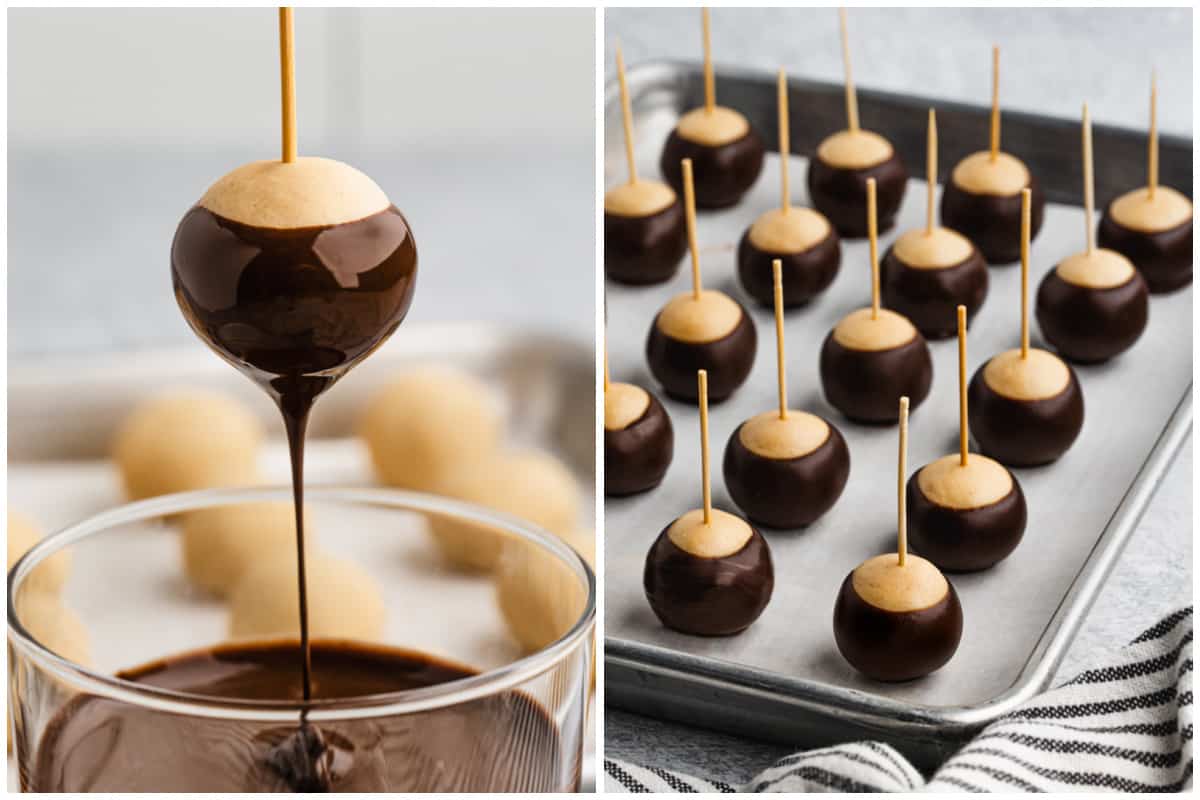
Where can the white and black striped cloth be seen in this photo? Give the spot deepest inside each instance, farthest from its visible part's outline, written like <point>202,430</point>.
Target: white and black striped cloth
<point>1124,727</point>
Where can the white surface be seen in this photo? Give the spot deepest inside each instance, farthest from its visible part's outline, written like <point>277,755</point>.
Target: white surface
<point>1005,608</point>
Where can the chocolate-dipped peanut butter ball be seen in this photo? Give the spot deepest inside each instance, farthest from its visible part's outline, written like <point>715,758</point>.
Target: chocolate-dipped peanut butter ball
<point>1152,225</point>
<point>801,239</point>
<point>897,618</point>
<point>873,356</point>
<point>728,154</point>
<point>709,573</point>
<point>701,329</point>
<point>1094,304</point>
<point>982,199</point>
<point>965,511</point>
<point>294,271</point>
<point>644,236</point>
<point>846,160</point>
<point>927,273</point>
<point>638,439</point>
<point>1026,406</point>
<point>785,468</point>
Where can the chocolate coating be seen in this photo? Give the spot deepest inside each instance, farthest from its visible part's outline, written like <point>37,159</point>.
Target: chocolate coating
<point>841,193</point>
<point>637,456</point>
<point>708,596</point>
<point>1088,325</point>
<point>805,274</point>
<point>866,385</point>
<point>674,362</point>
<point>896,646</point>
<point>1024,433</point>
<point>930,297</point>
<point>786,492</point>
<point>993,222</point>
<point>1164,258</point>
<point>297,303</point>
<point>721,174</point>
<point>644,250</point>
<point>965,540</point>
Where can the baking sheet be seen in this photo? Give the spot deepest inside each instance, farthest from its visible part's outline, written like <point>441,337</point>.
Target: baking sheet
<point>1128,401</point>
<point>63,414</point>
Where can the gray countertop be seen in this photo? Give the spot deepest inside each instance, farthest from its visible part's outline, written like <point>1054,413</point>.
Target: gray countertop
<point>1052,60</point>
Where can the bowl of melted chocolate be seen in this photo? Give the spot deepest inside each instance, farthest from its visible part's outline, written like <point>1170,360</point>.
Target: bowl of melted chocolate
<point>138,679</point>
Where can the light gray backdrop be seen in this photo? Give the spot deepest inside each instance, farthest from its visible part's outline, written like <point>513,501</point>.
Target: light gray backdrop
<point>478,124</point>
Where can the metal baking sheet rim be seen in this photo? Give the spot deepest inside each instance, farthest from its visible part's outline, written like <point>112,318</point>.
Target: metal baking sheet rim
<point>668,683</point>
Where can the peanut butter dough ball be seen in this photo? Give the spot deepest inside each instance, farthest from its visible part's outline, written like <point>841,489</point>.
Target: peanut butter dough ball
<point>220,544</point>
<point>528,484</point>
<point>538,595</point>
<point>51,574</point>
<point>426,423</point>
<point>344,600</point>
<point>187,439</point>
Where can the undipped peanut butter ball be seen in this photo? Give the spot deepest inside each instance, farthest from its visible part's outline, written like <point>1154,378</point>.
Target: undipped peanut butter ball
<point>532,485</point>
<point>51,574</point>
<point>55,626</point>
<point>187,439</point>
<point>344,600</point>
<point>221,543</point>
<point>425,424</point>
<point>538,595</point>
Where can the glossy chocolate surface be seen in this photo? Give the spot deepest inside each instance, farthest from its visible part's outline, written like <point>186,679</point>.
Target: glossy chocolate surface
<point>1024,433</point>
<point>708,596</point>
<point>896,646</point>
<point>786,492</point>
<point>502,742</point>
<point>637,456</point>
<point>644,250</point>
<point>805,274</point>
<point>674,362</point>
<point>841,194</point>
<point>721,174</point>
<point>1089,325</point>
<point>930,297</point>
<point>993,222</point>
<point>866,385</point>
<point>293,306</point>
<point>1163,258</point>
<point>965,540</point>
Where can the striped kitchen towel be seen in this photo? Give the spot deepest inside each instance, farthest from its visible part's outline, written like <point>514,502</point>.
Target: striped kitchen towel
<point>1125,726</point>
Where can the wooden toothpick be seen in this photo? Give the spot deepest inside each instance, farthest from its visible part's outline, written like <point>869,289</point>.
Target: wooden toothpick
<point>689,211</point>
<point>962,385</point>
<point>626,117</point>
<point>287,84</point>
<point>777,271</point>
<point>1152,176</point>
<point>784,143</point>
<point>994,148</point>
<point>851,95</point>
<point>901,512</point>
<point>873,237</point>
<point>1026,201</point>
<point>930,171</point>
<point>710,89</point>
<point>606,364</point>
<point>702,379</point>
<point>1089,186</point>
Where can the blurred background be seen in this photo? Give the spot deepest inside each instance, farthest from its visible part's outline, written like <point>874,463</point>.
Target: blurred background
<point>1048,67</point>
<point>119,119</point>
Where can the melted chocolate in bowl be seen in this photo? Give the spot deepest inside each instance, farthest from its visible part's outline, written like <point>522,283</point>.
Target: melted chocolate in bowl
<point>500,742</point>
